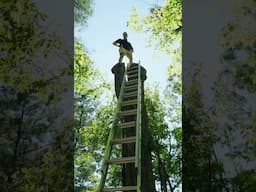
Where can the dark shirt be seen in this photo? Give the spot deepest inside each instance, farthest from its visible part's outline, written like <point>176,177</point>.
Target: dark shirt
<point>125,44</point>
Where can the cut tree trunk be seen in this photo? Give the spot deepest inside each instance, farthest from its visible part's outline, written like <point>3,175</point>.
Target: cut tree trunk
<point>129,173</point>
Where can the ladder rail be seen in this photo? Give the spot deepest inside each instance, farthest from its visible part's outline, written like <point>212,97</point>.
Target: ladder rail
<point>107,153</point>
<point>138,133</point>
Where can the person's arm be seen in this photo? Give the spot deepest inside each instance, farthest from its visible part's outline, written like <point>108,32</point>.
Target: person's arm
<point>117,43</point>
<point>131,47</point>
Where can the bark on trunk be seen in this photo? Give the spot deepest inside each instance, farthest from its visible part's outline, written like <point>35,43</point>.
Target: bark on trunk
<point>129,173</point>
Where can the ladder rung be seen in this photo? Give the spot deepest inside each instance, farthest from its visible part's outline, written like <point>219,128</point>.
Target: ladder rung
<point>133,67</point>
<point>122,160</point>
<point>124,140</point>
<point>133,81</point>
<point>124,188</point>
<point>131,73</point>
<point>131,87</point>
<point>127,124</point>
<point>129,102</point>
<point>135,75</point>
<point>130,94</point>
<point>128,112</point>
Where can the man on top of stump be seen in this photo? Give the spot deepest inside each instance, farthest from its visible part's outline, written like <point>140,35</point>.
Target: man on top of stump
<point>125,48</point>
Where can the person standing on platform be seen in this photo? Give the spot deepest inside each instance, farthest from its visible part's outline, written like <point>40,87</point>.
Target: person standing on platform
<point>125,48</point>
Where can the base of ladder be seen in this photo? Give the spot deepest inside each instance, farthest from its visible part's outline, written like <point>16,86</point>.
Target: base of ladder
<point>125,188</point>
<point>122,160</point>
<point>124,140</point>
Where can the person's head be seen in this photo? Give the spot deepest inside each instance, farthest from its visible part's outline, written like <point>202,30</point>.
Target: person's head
<point>125,35</point>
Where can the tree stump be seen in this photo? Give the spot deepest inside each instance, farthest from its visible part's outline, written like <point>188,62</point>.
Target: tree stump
<point>129,173</point>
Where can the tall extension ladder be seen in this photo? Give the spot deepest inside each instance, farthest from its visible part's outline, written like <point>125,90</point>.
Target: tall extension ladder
<point>130,94</point>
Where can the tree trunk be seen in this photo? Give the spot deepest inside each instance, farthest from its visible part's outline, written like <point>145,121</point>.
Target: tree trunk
<point>129,173</point>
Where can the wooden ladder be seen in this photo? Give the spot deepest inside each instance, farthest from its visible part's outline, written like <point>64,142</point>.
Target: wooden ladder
<point>129,97</point>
